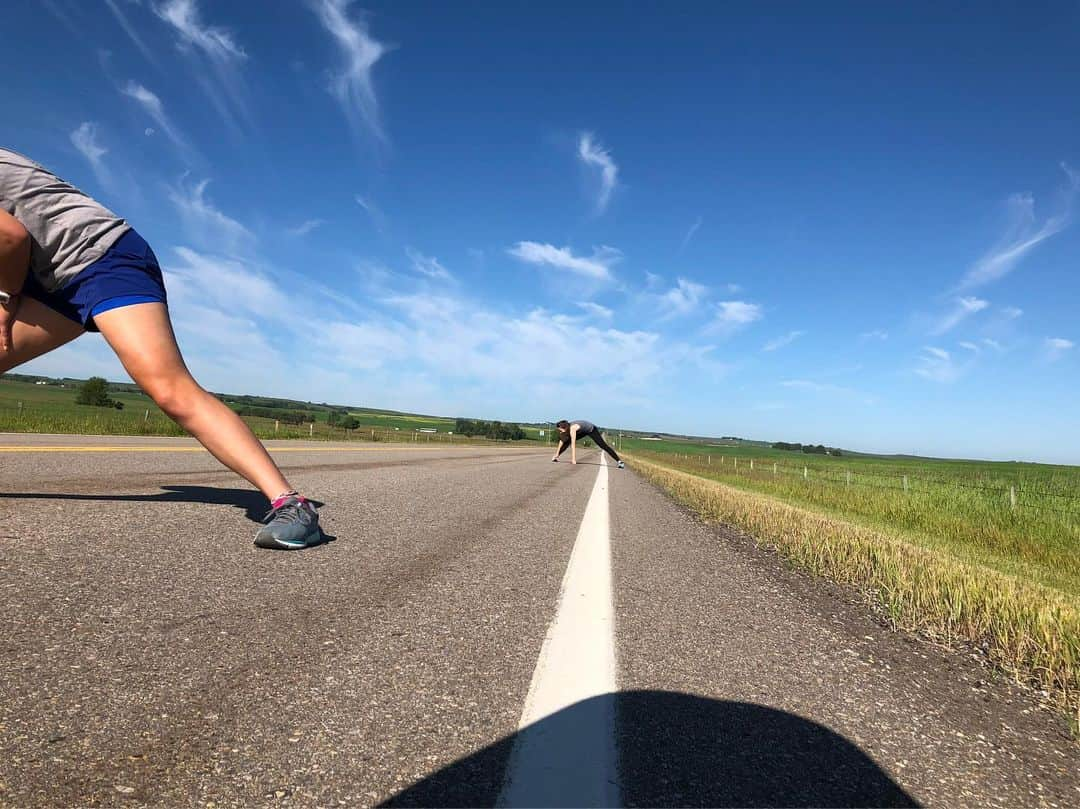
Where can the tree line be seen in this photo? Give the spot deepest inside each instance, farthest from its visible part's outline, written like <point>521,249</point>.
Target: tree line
<point>811,449</point>
<point>489,429</point>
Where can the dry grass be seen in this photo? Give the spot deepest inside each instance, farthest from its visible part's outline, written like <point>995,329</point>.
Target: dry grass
<point>1030,630</point>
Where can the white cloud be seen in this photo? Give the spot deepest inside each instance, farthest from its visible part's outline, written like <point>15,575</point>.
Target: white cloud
<point>156,110</point>
<point>972,347</point>
<point>351,84</point>
<point>937,365</point>
<point>782,341</point>
<point>994,344</point>
<point>85,139</point>
<point>372,210</point>
<point>690,234</point>
<point>1022,236</point>
<point>205,224</point>
<point>597,266</point>
<point>1055,347</point>
<point>734,315</point>
<point>825,388</point>
<point>220,50</point>
<point>683,298</point>
<point>596,157</point>
<point>965,307</point>
<point>428,265</point>
<point>217,43</point>
<point>595,309</point>
<point>1011,312</point>
<point>129,29</point>
<point>876,334</point>
<point>305,227</point>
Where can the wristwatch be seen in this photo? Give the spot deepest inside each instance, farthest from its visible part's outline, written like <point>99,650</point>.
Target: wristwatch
<point>5,298</point>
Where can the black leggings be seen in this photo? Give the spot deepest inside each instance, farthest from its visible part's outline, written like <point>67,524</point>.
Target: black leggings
<point>596,437</point>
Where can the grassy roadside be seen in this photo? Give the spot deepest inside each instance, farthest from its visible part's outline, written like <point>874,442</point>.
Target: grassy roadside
<point>1030,630</point>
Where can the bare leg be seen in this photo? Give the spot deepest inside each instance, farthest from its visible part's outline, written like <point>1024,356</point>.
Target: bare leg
<point>143,339</point>
<point>37,330</point>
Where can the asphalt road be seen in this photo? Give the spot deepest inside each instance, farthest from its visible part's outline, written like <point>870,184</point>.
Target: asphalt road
<point>150,655</point>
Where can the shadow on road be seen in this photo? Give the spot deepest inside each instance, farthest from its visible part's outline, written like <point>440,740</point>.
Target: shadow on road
<point>682,750</point>
<point>252,502</point>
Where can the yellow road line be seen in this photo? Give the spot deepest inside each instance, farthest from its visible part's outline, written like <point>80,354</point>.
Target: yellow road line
<point>200,449</point>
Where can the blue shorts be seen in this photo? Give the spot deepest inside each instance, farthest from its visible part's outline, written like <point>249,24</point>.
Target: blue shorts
<point>128,273</point>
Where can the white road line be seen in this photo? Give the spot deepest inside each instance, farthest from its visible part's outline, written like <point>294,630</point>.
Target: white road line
<point>564,753</point>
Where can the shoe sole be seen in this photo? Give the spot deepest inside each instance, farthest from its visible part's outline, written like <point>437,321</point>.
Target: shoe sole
<point>273,544</point>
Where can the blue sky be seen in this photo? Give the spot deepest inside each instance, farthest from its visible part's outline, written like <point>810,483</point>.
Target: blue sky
<point>844,223</point>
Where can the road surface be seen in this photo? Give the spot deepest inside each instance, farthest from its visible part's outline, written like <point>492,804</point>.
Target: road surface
<point>482,626</point>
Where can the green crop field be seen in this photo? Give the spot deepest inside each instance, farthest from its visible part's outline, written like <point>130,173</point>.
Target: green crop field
<point>29,407</point>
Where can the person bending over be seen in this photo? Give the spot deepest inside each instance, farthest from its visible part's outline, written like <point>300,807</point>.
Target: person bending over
<point>69,265</point>
<point>571,431</point>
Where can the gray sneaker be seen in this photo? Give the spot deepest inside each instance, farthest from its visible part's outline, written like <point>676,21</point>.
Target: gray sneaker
<point>621,465</point>
<point>292,525</point>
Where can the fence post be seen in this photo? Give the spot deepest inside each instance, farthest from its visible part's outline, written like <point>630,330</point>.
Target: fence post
<point>1012,497</point>
<point>905,483</point>
<point>709,462</point>
<point>736,461</point>
<point>774,470</point>
<point>848,473</point>
<point>311,429</point>
<point>277,424</point>
<point>146,416</point>
<point>751,464</point>
<point>804,474</point>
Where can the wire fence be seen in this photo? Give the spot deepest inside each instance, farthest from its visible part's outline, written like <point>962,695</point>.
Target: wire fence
<point>1015,496</point>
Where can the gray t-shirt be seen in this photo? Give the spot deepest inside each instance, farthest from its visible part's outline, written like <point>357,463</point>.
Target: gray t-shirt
<point>583,426</point>
<point>68,230</point>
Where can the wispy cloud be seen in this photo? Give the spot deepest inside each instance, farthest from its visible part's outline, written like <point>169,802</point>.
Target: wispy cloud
<point>830,390</point>
<point>595,309</point>
<point>156,110</point>
<point>352,84</point>
<point>85,139</point>
<point>876,334</point>
<point>972,347</point>
<point>596,158</point>
<point>1011,312</point>
<point>780,342</point>
<point>937,365</point>
<point>732,316</point>
<point>994,344</point>
<point>218,48</point>
<point>964,308</point>
<point>690,234</point>
<point>205,224</point>
<point>305,227</point>
<point>1023,234</point>
<point>683,298</point>
<point>597,266</point>
<point>378,219</point>
<point>428,265</point>
<point>130,30</point>
<point>1056,347</point>
<point>185,18</point>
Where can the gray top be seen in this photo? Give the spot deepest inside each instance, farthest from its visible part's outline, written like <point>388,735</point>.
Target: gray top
<point>583,426</point>
<point>68,230</point>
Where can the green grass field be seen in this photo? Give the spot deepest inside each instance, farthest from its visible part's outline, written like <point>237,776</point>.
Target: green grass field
<point>962,508</point>
<point>28,407</point>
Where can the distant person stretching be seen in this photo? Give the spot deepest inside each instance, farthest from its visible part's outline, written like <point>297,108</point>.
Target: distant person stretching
<point>571,431</point>
<point>69,265</point>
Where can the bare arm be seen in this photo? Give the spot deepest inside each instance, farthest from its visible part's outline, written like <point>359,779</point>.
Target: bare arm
<point>573,443</point>
<point>14,264</point>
